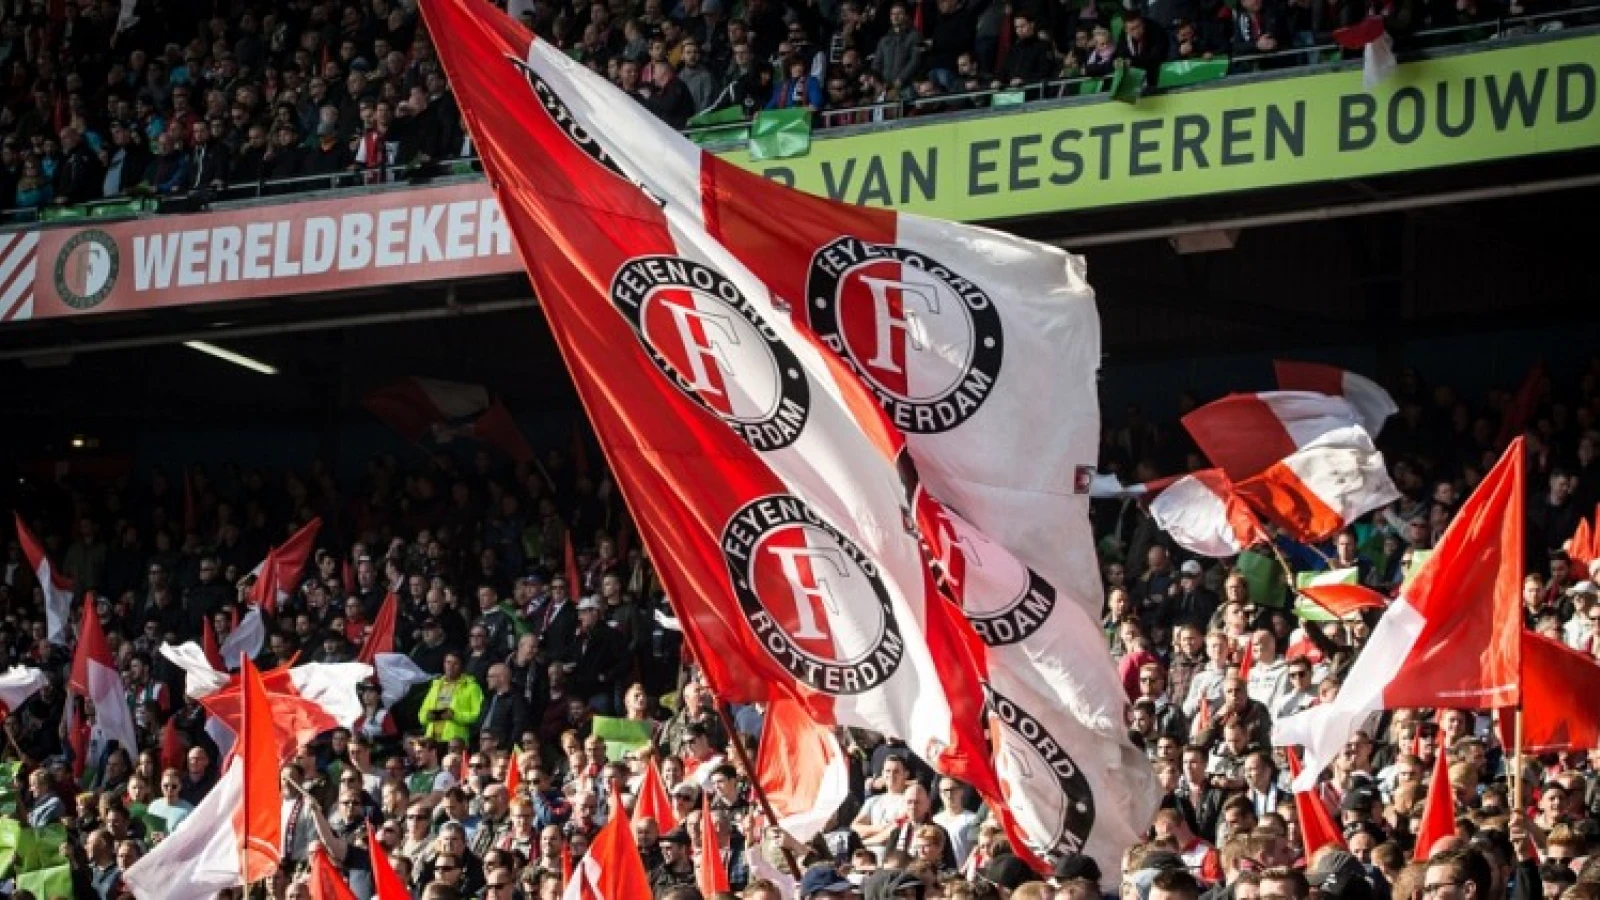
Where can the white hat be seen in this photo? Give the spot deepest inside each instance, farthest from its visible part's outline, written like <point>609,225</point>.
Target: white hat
<point>588,603</point>
<point>1189,567</point>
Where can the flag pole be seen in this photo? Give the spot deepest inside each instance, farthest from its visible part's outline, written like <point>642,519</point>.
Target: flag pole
<point>1516,762</point>
<point>755,783</point>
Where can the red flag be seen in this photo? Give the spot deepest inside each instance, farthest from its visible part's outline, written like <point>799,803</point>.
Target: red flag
<point>653,800</point>
<point>296,720</point>
<point>172,749</point>
<point>1203,719</point>
<point>1317,829</point>
<point>208,644</point>
<point>1519,412</point>
<point>612,869</point>
<point>1344,600</point>
<point>1559,687</point>
<point>1372,403</point>
<point>381,638</point>
<point>1354,37</point>
<point>1247,658</point>
<point>278,575</point>
<point>1451,639</point>
<point>384,879</point>
<point>418,407</point>
<point>95,677</point>
<point>258,822</point>
<point>1439,813</point>
<point>1244,434</point>
<point>57,588</point>
<point>1581,547</point>
<point>464,767</point>
<point>574,582</point>
<point>801,768</point>
<point>324,881</point>
<point>713,874</point>
<point>513,774</point>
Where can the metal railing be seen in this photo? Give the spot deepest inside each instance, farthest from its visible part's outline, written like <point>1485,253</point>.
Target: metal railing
<point>864,114</point>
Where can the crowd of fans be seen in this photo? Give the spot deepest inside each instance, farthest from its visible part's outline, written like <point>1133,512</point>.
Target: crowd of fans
<point>528,662</point>
<point>183,97</point>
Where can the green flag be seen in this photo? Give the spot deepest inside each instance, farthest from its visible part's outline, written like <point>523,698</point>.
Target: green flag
<point>1264,577</point>
<point>1127,84</point>
<point>1186,72</point>
<point>621,735</point>
<point>1003,99</point>
<point>781,134</point>
<point>10,836</point>
<point>54,883</point>
<point>39,848</point>
<point>716,126</point>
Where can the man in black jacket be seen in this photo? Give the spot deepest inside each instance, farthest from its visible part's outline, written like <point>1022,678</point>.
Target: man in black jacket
<point>505,714</point>
<point>208,162</point>
<point>602,662</point>
<point>79,175</point>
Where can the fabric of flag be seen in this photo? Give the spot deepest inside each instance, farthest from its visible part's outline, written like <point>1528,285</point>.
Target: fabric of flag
<point>1372,38</point>
<point>780,134</point>
<point>612,868</point>
<point>57,589</point>
<point>381,638</point>
<point>279,575</point>
<point>1450,640</point>
<point>1373,404</point>
<point>17,685</point>
<point>55,881</point>
<point>424,407</point>
<point>1438,811</point>
<point>711,873</point>
<point>1559,687</point>
<point>172,746</point>
<point>1317,828</point>
<point>306,701</point>
<point>1519,412</point>
<point>653,801</point>
<point>246,639</point>
<point>1247,659</point>
<point>386,882</point>
<point>201,857</point>
<point>324,879</point>
<point>801,768</point>
<point>258,821</point>
<point>1263,577</point>
<point>1203,514</point>
<point>826,426</point>
<point>397,675</point>
<point>1580,547</point>
<point>209,645</point>
<point>96,678</point>
<point>514,773</point>
<point>1244,434</point>
<point>1320,488</point>
<point>200,677</point>
<point>1338,592</point>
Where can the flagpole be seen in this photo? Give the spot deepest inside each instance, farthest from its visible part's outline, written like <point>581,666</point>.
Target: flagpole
<point>1516,762</point>
<point>755,782</point>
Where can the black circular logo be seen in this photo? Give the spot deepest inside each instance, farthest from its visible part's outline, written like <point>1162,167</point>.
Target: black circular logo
<point>1029,756</point>
<point>703,334</point>
<point>814,599</point>
<point>926,340</point>
<point>86,269</point>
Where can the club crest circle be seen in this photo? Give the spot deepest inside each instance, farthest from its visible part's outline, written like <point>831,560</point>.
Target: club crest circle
<point>712,344</point>
<point>1029,755</point>
<point>815,601</point>
<point>926,340</point>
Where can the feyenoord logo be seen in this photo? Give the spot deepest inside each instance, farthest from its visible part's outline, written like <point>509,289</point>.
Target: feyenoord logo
<point>926,340</point>
<point>703,334</point>
<point>814,600</point>
<point>1030,756</point>
<point>86,269</point>
<point>562,116</point>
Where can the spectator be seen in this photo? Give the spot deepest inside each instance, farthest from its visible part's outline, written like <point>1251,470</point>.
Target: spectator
<point>126,161</point>
<point>798,88</point>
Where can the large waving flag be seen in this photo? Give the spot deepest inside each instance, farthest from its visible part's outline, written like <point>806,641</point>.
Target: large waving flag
<point>278,576</point>
<point>95,677</point>
<point>1559,687</point>
<point>1320,488</point>
<point>756,450</point>
<point>801,768</point>
<point>17,685</point>
<point>1204,514</point>
<point>258,820</point>
<point>1244,434</point>
<point>201,858</point>
<point>420,407</point>
<point>612,868</point>
<point>246,639</point>
<point>1452,639</point>
<point>57,590</point>
<point>1373,404</point>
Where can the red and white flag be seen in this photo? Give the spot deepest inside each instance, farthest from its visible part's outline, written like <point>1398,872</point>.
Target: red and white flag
<point>1317,829</point>
<point>381,638</point>
<point>1337,591</point>
<point>278,576</point>
<point>1372,403</point>
<point>17,685</point>
<point>797,458</point>
<point>653,801</point>
<point>1450,640</point>
<point>612,869</point>
<point>1203,514</point>
<point>56,588</point>
<point>1245,434</point>
<point>423,407</point>
<point>801,768</point>
<point>307,700</point>
<point>95,677</point>
<point>209,645</point>
<point>1371,37</point>
<point>248,636</point>
<point>1316,491</point>
<point>201,858</point>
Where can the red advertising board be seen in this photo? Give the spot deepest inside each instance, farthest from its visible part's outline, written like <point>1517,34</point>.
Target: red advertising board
<point>380,239</point>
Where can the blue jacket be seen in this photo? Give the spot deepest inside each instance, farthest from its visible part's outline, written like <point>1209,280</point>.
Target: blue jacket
<point>783,93</point>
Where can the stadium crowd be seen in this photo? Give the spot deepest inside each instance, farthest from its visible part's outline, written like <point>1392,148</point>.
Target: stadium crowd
<point>523,659</point>
<point>181,97</point>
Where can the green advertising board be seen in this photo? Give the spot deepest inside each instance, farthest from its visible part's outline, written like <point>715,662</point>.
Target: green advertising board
<point>1532,98</point>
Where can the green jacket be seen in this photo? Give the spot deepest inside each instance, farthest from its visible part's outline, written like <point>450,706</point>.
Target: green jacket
<point>465,703</point>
